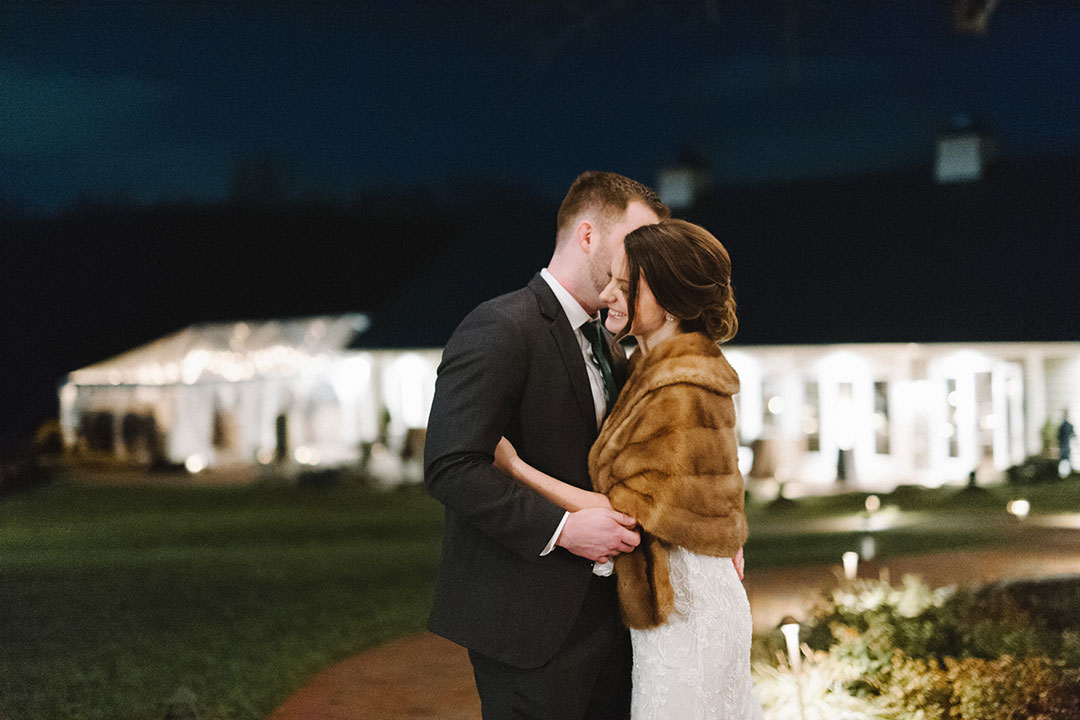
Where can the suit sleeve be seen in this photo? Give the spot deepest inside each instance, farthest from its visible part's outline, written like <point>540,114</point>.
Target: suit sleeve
<point>480,382</point>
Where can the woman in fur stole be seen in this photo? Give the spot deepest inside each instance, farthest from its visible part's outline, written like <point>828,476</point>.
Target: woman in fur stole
<point>667,456</point>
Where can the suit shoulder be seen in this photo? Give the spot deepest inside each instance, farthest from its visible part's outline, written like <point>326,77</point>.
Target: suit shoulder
<point>519,299</point>
<point>496,325</point>
<point>510,308</point>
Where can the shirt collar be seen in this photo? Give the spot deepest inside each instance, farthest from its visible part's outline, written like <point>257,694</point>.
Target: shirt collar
<point>574,312</point>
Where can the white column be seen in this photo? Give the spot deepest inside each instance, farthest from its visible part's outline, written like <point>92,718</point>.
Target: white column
<point>1034,399</point>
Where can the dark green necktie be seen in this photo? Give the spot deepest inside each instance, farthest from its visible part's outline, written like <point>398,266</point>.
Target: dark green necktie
<point>602,359</point>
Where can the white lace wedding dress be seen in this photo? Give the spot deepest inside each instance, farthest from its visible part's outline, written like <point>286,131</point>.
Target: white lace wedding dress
<point>697,665</point>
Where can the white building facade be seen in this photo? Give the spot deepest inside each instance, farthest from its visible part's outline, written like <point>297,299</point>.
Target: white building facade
<point>815,417</point>
<point>874,416</point>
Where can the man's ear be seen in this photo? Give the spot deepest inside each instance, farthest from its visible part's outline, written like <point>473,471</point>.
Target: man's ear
<point>585,235</point>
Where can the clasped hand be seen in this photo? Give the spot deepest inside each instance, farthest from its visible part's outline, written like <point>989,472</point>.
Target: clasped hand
<point>599,534</point>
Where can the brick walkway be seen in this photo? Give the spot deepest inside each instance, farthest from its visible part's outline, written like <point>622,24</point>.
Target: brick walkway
<point>423,677</point>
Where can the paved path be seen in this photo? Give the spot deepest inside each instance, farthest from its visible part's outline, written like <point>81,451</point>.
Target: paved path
<point>423,677</point>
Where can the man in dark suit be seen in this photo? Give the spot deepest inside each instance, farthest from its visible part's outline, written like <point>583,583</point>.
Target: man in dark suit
<point>517,585</point>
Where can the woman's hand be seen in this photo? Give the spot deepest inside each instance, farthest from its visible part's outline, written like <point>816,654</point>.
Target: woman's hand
<point>505,455</point>
<point>740,563</point>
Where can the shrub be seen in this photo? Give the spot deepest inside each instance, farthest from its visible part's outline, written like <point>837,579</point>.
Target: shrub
<point>1004,688</point>
<point>941,623</point>
<point>1033,471</point>
<point>1002,652</point>
<point>1030,688</point>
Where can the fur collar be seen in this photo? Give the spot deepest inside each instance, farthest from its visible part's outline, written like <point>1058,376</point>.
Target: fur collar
<point>689,358</point>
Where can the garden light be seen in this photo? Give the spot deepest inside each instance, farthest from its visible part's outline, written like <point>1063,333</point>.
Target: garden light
<point>873,504</point>
<point>195,463</point>
<point>790,627</point>
<point>307,455</point>
<point>851,564</point>
<point>1019,508</point>
<point>867,547</point>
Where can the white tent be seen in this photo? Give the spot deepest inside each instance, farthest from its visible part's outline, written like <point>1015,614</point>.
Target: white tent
<point>240,393</point>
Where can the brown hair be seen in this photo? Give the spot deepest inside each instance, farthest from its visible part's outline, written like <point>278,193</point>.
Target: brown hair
<point>609,193</point>
<point>689,272</point>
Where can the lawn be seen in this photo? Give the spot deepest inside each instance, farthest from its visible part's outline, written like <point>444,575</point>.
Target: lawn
<point>112,599</point>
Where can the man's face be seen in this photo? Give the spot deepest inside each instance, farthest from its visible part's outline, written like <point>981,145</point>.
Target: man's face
<point>611,239</point>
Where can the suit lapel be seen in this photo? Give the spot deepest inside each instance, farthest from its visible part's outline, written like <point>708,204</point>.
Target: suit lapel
<point>569,350</point>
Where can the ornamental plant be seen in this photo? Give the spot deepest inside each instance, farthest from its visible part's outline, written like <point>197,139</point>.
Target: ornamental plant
<point>1000,652</point>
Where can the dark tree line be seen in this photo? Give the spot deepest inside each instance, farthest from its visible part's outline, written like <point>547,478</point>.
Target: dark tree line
<point>101,278</point>
<point>886,258</point>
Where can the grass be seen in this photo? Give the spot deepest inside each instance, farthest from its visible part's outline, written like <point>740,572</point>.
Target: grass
<point>113,599</point>
<point>948,518</point>
<point>777,551</point>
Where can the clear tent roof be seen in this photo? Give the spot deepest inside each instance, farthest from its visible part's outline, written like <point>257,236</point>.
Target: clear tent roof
<point>233,352</point>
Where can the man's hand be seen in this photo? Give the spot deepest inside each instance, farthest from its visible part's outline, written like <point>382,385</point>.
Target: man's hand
<point>598,534</point>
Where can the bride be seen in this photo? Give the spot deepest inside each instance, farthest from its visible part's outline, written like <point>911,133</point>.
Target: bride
<point>667,455</point>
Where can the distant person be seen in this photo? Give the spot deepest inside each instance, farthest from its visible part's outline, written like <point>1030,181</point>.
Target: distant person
<point>1047,433</point>
<point>517,585</point>
<point>667,455</point>
<point>1065,434</point>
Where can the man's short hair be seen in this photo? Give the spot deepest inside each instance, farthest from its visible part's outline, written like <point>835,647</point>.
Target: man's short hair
<point>608,193</point>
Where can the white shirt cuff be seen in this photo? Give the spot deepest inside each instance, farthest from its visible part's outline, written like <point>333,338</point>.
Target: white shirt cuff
<point>601,569</point>
<point>554,538</point>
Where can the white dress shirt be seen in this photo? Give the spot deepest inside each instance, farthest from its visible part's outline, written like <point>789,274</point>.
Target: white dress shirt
<point>578,317</point>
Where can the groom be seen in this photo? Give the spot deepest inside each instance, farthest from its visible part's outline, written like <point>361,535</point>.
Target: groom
<point>516,586</point>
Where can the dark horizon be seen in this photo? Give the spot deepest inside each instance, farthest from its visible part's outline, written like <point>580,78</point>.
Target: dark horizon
<point>885,257</point>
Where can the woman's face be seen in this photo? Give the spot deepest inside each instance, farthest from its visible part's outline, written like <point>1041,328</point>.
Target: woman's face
<point>614,293</point>
<point>648,317</point>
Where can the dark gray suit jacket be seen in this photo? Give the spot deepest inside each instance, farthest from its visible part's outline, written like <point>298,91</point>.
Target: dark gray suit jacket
<point>513,367</point>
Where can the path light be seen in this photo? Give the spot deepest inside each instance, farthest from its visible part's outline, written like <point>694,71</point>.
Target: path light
<point>307,455</point>
<point>851,564</point>
<point>1019,508</point>
<point>195,463</point>
<point>790,627</point>
<point>873,504</point>
<point>868,547</point>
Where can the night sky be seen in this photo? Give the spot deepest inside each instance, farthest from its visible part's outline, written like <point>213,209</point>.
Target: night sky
<point>152,103</point>
<point>156,100</point>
